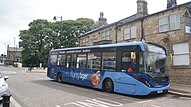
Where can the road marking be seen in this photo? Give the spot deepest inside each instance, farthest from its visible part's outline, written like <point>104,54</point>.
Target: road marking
<point>186,98</point>
<point>68,86</point>
<point>98,102</point>
<point>103,94</point>
<point>145,101</point>
<point>15,103</point>
<point>8,72</point>
<point>82,89</point>
<point>58,106</point>
<point>131,100</point>
<point>155,106</point>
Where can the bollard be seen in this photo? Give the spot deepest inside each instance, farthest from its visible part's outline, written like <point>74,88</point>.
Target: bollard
<point>6,100</point>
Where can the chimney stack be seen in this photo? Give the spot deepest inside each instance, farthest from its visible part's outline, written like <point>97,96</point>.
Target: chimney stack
<point>102,20</point>
<point>142,7</point>
<point>171,3</point>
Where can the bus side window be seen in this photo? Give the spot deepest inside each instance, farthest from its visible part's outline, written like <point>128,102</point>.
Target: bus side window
<point>61,60</point>
<point>73,62</point>
<point>94,60</point>
<point>81,61</point>
<point>109,61</point>
<point>53,59</point>
<point>68,61</point>
<point>125,61</point>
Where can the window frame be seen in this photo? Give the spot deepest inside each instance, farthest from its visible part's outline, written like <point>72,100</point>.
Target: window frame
<point>105,35</point>
<point>78,61</point>
<point>75,61</point>
<point>175,21</point>
<point>177,54</point>
<point>129,32</point>
<point>85,41</point>
<point>56,60</point>
<point>163,24</point>
<point>126,33</point>
<point>169,23</point>
<point>102,61</point>
<point>96,58</point>
<point>133,32</point>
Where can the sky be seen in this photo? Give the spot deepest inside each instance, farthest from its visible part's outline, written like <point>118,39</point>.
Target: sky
<point>15,15</point>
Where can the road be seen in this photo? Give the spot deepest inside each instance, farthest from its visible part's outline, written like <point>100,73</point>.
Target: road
<point>34,89</point>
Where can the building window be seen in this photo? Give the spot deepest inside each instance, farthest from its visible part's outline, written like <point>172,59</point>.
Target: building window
<point>85,41</point>
<point>175,21</point>
<point>181,55</point>
<point>133,32</point>
<point>163,24</point>
<point>105,35</point>
<point>130,32</point>
<point>126,33</point>
<point>187,21</point>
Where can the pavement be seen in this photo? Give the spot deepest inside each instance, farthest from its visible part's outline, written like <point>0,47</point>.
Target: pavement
<point>183,90</point>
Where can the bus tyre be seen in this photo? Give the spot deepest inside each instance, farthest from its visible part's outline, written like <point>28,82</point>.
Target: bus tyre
<point>108,86</point>
<point>59,77</point>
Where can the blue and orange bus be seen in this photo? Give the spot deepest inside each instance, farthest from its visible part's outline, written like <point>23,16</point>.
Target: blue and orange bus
<point>109,67</point>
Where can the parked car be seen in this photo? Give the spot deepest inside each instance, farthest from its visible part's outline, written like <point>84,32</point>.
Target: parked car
<point>3,85</point>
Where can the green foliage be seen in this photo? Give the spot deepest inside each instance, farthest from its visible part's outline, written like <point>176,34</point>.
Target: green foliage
<point>42,36</point>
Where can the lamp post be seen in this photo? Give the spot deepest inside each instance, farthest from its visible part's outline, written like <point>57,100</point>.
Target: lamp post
<point>60,32</point>
<point>14,51</point>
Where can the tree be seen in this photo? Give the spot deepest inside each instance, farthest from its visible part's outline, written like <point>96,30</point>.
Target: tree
<point>36,41</point>
<point>42,36</point>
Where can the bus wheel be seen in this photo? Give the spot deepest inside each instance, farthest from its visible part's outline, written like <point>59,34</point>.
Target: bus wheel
<point>59,77</point>
<point>108,85</point>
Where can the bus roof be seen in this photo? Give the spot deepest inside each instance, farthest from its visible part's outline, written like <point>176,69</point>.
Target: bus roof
<point>140,43</point>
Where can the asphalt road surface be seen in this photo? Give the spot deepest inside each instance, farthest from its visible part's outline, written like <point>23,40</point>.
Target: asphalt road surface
<point>34,89</point>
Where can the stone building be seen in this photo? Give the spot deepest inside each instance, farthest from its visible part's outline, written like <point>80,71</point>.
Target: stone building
<point>14,54</point>
<point>170,27</point>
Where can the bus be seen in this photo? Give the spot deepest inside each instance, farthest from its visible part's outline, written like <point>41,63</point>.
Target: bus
<point>106,67</point>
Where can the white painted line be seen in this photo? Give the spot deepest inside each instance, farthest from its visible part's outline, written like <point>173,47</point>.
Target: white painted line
<point>58,106</point>
<point>15,103</point>
<point>186,98</point>
<point>103,94</point>
<point>8,72</point>
<point>145,101</point>
<point>82,89</point>
<point>96,102</point>
<point>68,86</point>
<point>128,100</point>
<point>155,106</point>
